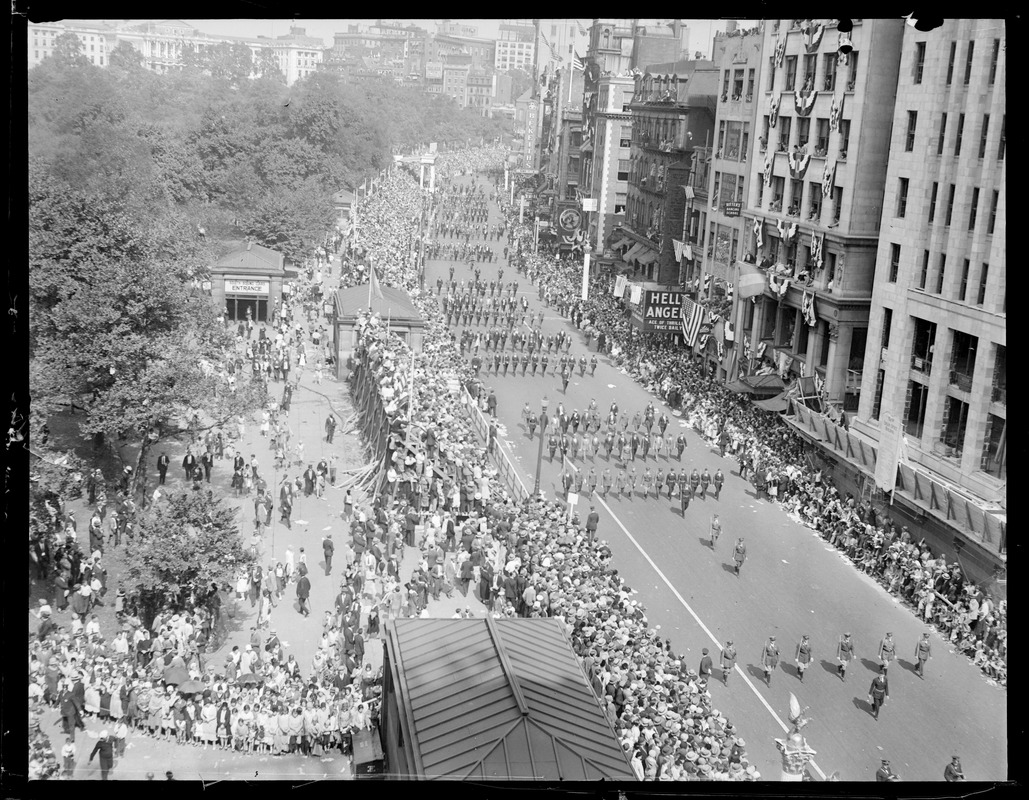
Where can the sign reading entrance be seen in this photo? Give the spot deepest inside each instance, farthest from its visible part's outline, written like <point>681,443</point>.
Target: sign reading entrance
<point>659,312</point>
<point>247,287</point>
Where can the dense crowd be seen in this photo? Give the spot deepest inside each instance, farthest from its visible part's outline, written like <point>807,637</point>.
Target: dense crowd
<point>771,456</point>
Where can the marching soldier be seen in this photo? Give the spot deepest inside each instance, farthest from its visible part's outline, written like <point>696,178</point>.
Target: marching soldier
<point>532,422</point>
<point>552,445</point>
<point>648,481</point>
<point>769,658</point>
<point>632,482</point>
<point>670,482</point>
<point>716,530</point>
<point>719,479</point>
<point>739,555</point>
<point>923,652</point>
<point>582,366</point>
<point>593,366</point>
<point>803,655</point>
<point>609,443</point>
<point>705,480</point>
<point>844,654</point>
<point>878,692</point>
<point>680,445</point>
<point>728,660</point>
<point>887,651</point>
<point>605,481</point>
<point>694,481</point>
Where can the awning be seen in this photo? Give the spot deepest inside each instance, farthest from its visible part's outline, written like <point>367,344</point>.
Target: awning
<point>758,384</point>
<point>586,147</point>
<point>632,252</point>
<point>778,403</point>
<point>647,256</point>
<point>623,242</point>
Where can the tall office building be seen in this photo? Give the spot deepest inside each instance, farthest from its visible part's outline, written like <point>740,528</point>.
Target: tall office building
<point>936,361</point>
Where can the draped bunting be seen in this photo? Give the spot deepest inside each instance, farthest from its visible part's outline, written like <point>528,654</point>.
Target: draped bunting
<point>773,110</point>
<point>687,251</point>
<point>768,168</point>
<point>828,176</point>
<point>780,49</point>
<point>729,289</point>
<point>746,348</point>
<point>804,103</point>
<point>728,332</point>
<point>798,166</point>
<point>813,37</point>
<point>786,232</point>
<point>762,346</point>
<point>678,246</point>
<point>817,243</point>
<point>808,309</point>
<point>619,289</point>
<point>835,110</point>
<point>758,230</point>
<point>637,294</point>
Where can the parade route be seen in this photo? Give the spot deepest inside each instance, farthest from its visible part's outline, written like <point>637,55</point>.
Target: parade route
<point>792,583</point>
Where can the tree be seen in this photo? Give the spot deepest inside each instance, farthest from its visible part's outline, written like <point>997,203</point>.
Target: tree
<point>180,546</point>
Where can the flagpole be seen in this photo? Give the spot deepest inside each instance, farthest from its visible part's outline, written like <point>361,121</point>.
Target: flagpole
<point>371,271</point>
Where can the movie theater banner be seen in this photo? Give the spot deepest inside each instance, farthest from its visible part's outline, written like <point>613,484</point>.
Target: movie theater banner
<point>660,312</point>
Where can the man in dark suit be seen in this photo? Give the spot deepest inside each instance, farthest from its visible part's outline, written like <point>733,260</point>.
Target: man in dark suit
<point>162,466</point>
<point>189,464</point>
<point>878,692</point>
<point>207,462</point>
<point>105,747</point>
<point>304,594</point>
<point>591,524</point>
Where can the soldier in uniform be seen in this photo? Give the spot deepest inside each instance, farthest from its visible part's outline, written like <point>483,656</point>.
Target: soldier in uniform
<point>887,651</point>
<point>884,774</point>
<point>716,530</point>
<point>582,366</point>
<point>621,445</point>
<point>694,481</point>
<point>923,652</point>
<point>565,444</point>
<point>879,692</point>
<point>620,482</point>
<point>803,655</point>
<point>684,498</point>
<point>632,482</point>
<point>605,481</point>
<point>769,658</point>
<point>670,482</point>
<point>719,479</point>
<point>609,443</point>
<point>593,365</point>
<point>543,362</point>
<point>634,444</point>
<point>564,379</point>
<point>532,422</point>
<point>645,444</point>
<point>705,480</point>
<point>525,361</point>
<point>535,364</point>
<point>728,661</point>
<point>552,445</point>
<point>739,555</point>
<point>680,445</point>
<point>844,654</point>
<point>648,480</point>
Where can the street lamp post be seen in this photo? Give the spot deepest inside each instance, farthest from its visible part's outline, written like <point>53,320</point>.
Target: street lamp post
<point>544,419</point>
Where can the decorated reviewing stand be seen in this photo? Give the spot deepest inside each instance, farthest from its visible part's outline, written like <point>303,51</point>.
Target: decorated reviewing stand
<point>794,748</point>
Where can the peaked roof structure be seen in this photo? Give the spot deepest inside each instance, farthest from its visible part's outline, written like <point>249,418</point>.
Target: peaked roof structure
<point>251,258</point>
<point>489,699</point>
<point>394,304</point>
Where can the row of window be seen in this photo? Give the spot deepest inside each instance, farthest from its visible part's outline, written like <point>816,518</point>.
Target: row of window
<point>794,204</point>
<point>803,138</point>
<point>939,278</point>
<point>918,67</point>
<point>984,132</point>
<point>973,212</point>
<point>738,85</point>
<point>809,80</point>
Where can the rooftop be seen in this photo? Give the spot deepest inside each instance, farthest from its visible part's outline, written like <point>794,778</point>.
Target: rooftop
<point>250,257</point>
<point>485,699</point>
<point>394,304</point>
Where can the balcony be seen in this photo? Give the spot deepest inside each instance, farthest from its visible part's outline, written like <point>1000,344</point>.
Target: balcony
<point>1000,395</point>
<point>923,365</point>
<point>961,380</point>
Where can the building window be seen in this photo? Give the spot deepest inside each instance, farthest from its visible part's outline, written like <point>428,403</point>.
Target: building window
<point>791,73</point>
<point>922,346</point>
<point>852,62</point>
<point>983,135</point>
<point>810,69</point>
<point>785,124</point>
<point>877,400</point>
<point>737,84</point>
<point>844,137</point>
<point>964,280</point>
<point>940,273</point>
<point>919,61</point>
<point>914,422</point>
<point>750,85</point>
<point>803,130</point>
<point>943,133</point>
<point>968,62</point>
<point>623,169</point>
<point>796,195</point>
<point>894,262</point>
<point>932,202</point>
<point>994,60</point>
<point>950,62</point>
<point>924,274</point>
<point>909,137</point>
<point>995,461</point>
<point>887,327</point>
<point>771,74</point>
<point>974,210</point>
<point>814,202</point>
<point>837,209</point>
<point>822,132</point>
<point>993,211</point>
<point>981,298</point>
<point>950,204</point>
<point>957,140</point>
<point>1003,140</point>
<point>830,62</point>
<point>902,197</point>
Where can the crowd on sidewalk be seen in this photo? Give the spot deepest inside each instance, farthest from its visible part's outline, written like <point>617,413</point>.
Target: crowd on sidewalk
<point>770,455</point>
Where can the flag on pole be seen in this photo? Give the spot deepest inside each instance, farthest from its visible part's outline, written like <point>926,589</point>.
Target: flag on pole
<point>579,63</point>
<point>692,317</point>
<point>582,30</point>
<point>808,308</point>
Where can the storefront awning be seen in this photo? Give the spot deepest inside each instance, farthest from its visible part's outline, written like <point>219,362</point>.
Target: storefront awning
<point>778,403</point>
<point>758,384</point>
<point>623,242</point>
<point>647,256</point>
<point>632,252</point>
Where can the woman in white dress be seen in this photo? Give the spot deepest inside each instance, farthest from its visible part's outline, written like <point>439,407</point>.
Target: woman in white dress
<point>92,697</point>
<point>206,730</point>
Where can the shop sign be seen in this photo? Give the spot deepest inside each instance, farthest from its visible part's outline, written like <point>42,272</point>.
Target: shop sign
<point>732,208</point>
<point>247,287</point>
<point>660,312</point>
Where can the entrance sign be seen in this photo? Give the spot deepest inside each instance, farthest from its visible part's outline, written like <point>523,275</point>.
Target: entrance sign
<point>247,287</point>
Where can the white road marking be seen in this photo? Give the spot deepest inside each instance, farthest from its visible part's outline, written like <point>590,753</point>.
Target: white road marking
<point>697,619</point>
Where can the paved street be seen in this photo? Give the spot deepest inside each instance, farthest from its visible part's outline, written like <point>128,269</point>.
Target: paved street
<point>792,584</point>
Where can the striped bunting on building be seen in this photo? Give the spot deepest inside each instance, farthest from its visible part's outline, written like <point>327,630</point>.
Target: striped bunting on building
<point>692,317</point>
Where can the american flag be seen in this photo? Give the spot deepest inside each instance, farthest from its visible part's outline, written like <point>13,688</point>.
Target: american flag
<point>692,318</point>
<point>582,30</point>
<point>579,63</point>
